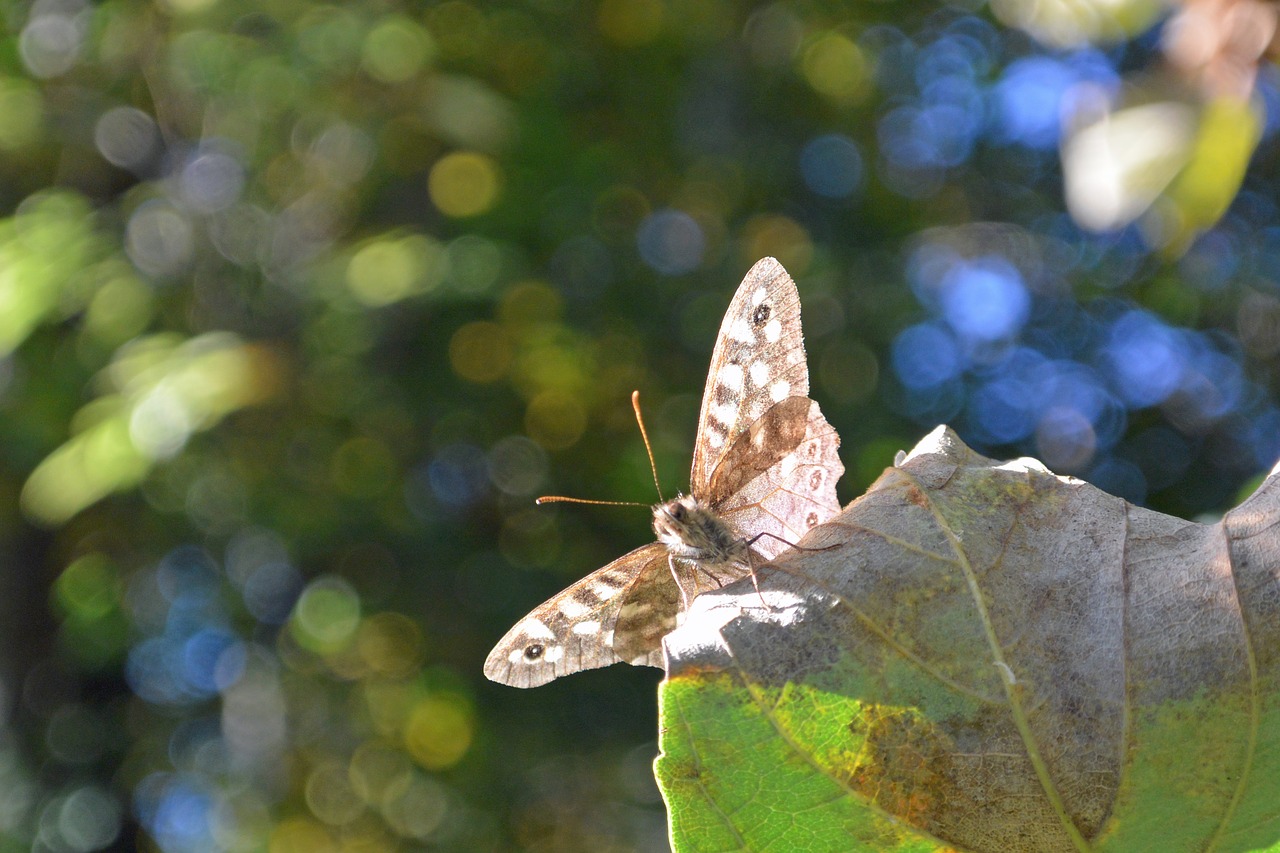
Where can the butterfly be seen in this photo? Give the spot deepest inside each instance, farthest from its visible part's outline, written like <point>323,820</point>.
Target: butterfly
<point>765,468</point>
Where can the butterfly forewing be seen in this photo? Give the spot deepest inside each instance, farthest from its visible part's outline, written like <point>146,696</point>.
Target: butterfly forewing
<point>765,458</point>
<point>618,613</point>
<point>764,472</point>
<point>758,361</point>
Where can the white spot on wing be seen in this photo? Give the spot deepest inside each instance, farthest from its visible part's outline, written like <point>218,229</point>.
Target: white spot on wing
<point>725,413</point>
<point>553,654</point>
<point>715,439</point>
<point>758,296</point>
<point>731,377</point>
<point>772,331</point>
<point>537,629</point>
<point>741,332</point>
<point>788,465</point>
<point>586,629</point>
<point>779,390</point>
<point>572,608</point>
<point>604,592</point>
<point>759,373</point>
<point>516,656</point>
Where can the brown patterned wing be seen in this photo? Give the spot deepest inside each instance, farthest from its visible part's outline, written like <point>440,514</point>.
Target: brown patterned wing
<point>758,362</point>
<point>765,458</point>
<point>618,613</point>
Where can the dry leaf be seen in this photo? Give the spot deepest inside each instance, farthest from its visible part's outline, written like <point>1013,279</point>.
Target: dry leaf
<point>986,657</point>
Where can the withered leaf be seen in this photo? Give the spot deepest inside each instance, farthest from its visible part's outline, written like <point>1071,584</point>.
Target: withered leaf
<point>987,657</point>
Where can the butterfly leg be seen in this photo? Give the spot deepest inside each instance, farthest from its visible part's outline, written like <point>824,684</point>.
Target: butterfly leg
<point>754,539</point>
<point>755,581</point>
<point>751,571</point>
<point>719,574</point>
<point>675,575</point>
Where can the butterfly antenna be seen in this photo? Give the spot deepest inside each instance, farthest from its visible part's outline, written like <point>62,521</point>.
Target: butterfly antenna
<point>653,466</point>
<point>635,404</point>
<point>560,499</point>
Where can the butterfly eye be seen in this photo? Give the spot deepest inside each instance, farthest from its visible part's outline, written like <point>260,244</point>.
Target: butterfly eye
<point>534,651</point>
<point>677,512</point>
<point>761,314</point>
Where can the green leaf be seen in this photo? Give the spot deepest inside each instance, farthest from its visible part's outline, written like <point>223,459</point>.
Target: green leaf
<point>736,778</point>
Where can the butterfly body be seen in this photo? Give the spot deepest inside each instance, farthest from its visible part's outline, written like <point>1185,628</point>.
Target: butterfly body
<point>765,468</point>
<point>692,531</point>
<point>699,541</point>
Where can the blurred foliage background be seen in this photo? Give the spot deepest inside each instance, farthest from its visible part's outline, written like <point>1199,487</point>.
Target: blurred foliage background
<point>301,305</point>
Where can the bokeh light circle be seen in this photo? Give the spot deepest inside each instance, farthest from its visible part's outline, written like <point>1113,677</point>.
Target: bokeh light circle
<point>671,242</point>
<point>464,183</point>
<point>831,165</point>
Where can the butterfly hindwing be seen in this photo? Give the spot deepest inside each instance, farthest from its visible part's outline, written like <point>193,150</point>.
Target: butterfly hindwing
<point>617,613</point>
<point>795,494</point>
<point>770,438</point>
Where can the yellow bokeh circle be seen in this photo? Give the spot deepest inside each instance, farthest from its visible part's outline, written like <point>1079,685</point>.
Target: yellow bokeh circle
<point>439,731</point>
<point>396,49</point>
<point>389,269</point>
<point>837,68</point>
<point>464,183</point>
<point>326,616</point>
